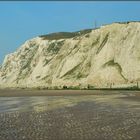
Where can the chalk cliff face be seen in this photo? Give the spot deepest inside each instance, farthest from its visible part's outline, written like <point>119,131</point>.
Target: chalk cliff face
<point>104,57</point>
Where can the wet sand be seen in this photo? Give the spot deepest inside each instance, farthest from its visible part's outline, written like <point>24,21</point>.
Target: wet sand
<point>98,115</point>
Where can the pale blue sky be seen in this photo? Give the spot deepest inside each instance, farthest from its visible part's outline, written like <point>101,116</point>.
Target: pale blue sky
<point>20,21</point>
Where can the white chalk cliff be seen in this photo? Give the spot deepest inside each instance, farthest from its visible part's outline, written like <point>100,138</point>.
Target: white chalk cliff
<point>103,57</point>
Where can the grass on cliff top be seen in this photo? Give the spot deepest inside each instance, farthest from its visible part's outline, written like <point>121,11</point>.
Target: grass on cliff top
<point>64,35</point>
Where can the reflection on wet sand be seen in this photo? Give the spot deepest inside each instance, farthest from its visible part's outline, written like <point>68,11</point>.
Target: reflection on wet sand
<point>9,104</point>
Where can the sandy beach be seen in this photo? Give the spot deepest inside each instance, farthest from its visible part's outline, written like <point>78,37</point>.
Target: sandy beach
<point>69,115</point>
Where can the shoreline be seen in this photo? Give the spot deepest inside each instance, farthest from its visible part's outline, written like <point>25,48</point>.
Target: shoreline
<point>34,92</point>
